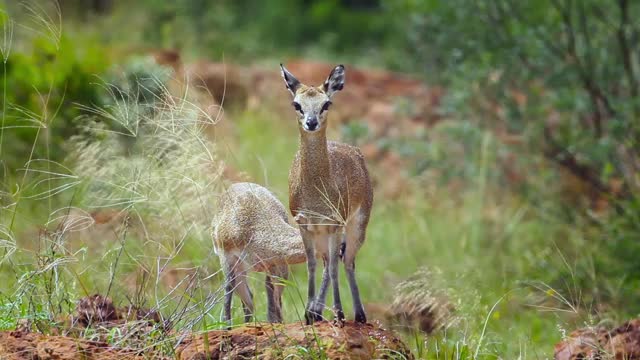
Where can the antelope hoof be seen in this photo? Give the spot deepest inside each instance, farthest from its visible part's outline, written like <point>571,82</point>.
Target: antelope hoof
<point>361,318</point>
<point>317,315</point>
<point>317,312</point>
<point>309,315</point>
<point>340,316</point>
<point>312,316</point>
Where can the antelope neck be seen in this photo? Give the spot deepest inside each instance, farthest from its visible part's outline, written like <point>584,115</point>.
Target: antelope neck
<point>314,156</point>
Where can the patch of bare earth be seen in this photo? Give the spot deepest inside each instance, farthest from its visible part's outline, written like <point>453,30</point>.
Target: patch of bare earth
<point>278,341</point>
<point>25,345</point>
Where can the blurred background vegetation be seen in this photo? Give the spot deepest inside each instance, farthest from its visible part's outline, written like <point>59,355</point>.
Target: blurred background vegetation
<point>521,187</point>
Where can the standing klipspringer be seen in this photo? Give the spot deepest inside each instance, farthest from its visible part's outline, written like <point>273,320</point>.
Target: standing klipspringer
<point>251,233</point>
<point>330,194</point>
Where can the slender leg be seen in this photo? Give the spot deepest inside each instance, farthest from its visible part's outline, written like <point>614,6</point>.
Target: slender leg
<point>245,294</point>
<point>334,262</point>
<point>229,286</point>
<point>271,303</point>
<point>350,267</point>
<point>274,292</point>
<point>355,237</point>
<point>318,306</point>
<point>310,251</point>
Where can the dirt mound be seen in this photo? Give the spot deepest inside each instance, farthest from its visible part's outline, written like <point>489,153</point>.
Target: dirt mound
<point>266,341</point>
<point>622,342</point>
<point>353,341</point>
<point>24,345</point>
<point>97,324</point>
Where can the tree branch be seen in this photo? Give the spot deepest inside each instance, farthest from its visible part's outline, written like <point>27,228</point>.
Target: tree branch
<point>598,99</point>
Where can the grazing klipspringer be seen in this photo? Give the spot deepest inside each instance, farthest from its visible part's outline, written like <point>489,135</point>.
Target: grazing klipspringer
<point>330,194</point>
<point>252,233</point>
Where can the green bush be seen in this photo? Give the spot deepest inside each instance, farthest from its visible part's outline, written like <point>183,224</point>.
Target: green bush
<point>563,76</point>
<point>248,29</point>
<point>43,82</point>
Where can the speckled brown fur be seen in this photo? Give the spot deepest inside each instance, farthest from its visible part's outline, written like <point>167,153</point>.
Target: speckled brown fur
<point>251,233</point>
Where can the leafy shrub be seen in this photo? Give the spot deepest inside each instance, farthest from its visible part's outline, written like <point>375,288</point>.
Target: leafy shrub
<point>42,85</point>
<point>354,132</point>
<point>246,29</point>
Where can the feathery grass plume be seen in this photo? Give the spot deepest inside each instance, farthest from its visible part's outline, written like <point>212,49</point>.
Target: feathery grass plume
<point>146,154</point>
<point>419,306</point>
<point>161,166</point>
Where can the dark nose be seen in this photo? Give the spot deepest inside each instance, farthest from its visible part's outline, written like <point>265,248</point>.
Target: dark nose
<point>312,123</point>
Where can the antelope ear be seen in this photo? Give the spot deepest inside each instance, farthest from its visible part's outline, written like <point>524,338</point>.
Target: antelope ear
<point>335,81</point>
<point>289,80</point>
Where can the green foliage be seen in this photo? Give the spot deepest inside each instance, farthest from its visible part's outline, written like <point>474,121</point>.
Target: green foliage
<point>139,80</point>
<point>620,240</point>
<point>563,76</point>
<point>42,84</point>
<point>247,29</point>
<point>354,132</point>
<point>562,73</point>
<point>133,91</point>
<point>20,309</point>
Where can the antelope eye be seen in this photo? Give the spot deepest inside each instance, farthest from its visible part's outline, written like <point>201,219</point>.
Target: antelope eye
<point>326,105</point>
<point>297,106</point>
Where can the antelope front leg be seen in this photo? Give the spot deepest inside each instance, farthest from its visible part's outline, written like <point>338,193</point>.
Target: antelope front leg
<point>310,250</point>
<point>318,306</point>
<point>334,262</point>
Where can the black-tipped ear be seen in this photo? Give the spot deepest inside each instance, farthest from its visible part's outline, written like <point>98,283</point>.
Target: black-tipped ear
<point>290,81</point>
<point>335,81</point>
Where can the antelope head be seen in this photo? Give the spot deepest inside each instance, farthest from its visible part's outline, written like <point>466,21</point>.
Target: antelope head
<point>312,103</point>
